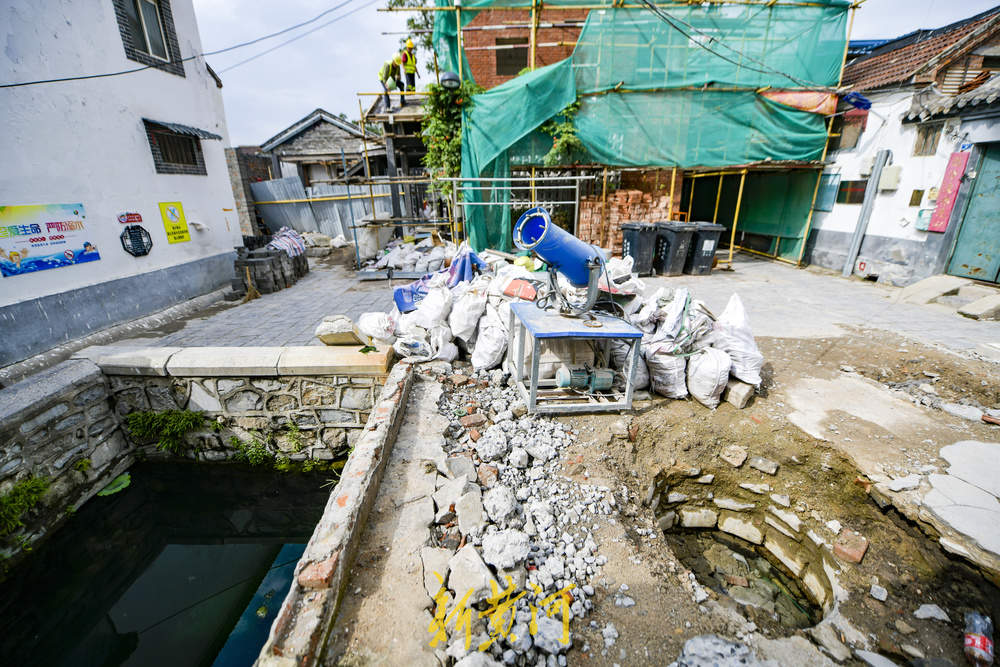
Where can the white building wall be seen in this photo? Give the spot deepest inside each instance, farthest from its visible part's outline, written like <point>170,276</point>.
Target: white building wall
<point>84,141</point>
<point>892,215</point>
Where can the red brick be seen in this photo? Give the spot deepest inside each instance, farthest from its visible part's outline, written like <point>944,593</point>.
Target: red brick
<point>850,546</point>
<point>474,435</point>
<point>319,575</point>
<point>475,419</point>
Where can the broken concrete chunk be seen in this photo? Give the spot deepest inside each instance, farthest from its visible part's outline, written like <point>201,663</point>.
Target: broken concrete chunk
<point>469,510</point>
<point>827,637</point>
<point>764,465</point>
<point>926,611</point>
<point>905,483</point>
<point>904,627</point>
<point>781,499</point>
<point>467,571</point>
<point>879,593</point>
<point>451,491</point>
<point>434,561</point>
<point>667,521</point>
<point>698,518</point>
<point>734,455</point>
<point>759,489</point>
<point>740,527</point>
<point>506,548</point>
<point>518,457</point>
<point>676,497</point>
<point>705,479</point>
<point>460,467</point>
<point>500,504</point>
<point>735,505</point>
<point>475,419</point>
<point>549,635</point>
<point>784,554</point>
<point>790,518</point>
<point>964,411</point>
<point>874,659</point>
<point>778,526</point>
<point>833,526</point>
<point>738,394</point>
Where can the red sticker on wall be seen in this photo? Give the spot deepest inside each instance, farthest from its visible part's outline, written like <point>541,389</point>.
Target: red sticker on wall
<point>949,191</point>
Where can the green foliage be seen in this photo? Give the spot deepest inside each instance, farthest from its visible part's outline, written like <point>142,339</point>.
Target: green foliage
<point>14,504</point>
<point>282,463</point>
<point>254,452</point>
<point>311,464</point>
<point>418,21</point>
<point>217,425</point>
<point>83,465</point>
<point>119,483</point>
<point>442,131</point>
<point>168,428</point>
<point>295,436</point>
<point>566,145</point>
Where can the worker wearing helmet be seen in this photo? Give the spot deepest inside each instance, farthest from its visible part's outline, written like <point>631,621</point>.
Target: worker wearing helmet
<point>390,78</point>
<point>409,59</point>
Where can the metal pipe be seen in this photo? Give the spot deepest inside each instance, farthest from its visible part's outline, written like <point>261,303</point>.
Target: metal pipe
<point>458,31</point>
<point>306,200</point>
<point>736,216</point>
<point>506,47</point>
<point>368,168</point>
<point>350,208</point>
<point>718,196</point>
<point>534,33</point>
<point>763,254</point>
<point>604,210</point>
<point>613,5</point>
<point>867,206</point>
<point>673,184</point>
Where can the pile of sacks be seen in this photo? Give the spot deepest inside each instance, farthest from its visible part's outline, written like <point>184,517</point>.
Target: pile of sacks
<point>465,310</point>
<point>686,350</point>
<point>427,256</point>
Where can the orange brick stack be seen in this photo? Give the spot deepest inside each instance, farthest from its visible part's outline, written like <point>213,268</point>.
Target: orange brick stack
<point>623,206</point>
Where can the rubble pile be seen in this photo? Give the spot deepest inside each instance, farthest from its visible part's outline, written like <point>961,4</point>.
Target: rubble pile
<point>506,516</point>
<point>425,256</point>
<point>456,313</point>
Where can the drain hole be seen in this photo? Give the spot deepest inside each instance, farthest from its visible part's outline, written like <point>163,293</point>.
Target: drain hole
<point>748,575</point>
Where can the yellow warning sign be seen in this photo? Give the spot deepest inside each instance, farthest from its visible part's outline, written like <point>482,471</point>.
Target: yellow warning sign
<point>174,222</point>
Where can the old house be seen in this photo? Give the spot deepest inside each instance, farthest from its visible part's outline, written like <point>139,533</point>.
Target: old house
<point>933,205</point>
<point>114,197</point>
<point>315,148</point>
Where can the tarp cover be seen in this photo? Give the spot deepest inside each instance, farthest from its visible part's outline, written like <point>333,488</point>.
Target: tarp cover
<point>654,94</point>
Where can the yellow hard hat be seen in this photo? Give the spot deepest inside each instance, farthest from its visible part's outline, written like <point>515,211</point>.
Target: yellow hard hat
<point>409,43</point>
<point>398,60</point>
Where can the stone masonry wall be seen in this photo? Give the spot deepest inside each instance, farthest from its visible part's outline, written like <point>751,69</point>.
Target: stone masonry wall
<point>329,411</point>
<point>58,424</point>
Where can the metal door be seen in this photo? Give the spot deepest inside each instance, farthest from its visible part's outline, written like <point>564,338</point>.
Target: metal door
<point>977,249</point>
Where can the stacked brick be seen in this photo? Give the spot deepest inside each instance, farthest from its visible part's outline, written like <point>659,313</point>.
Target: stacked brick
<point>623,206</point>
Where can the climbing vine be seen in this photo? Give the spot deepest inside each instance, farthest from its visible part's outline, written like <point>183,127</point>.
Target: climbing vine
<point>442,131</point>
<point>566,145</point>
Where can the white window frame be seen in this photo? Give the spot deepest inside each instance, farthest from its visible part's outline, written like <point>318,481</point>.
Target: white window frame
<point>145,29</point>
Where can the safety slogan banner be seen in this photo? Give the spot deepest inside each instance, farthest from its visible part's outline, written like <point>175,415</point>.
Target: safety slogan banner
<point>174,222</point>
<point>43,236</point>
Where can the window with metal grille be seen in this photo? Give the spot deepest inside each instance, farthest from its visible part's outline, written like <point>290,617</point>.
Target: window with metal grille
<point>852,192</point>
<point>174,152</point>
<point>928,135</point>
<point>510,61</point>
<point>148,35</point>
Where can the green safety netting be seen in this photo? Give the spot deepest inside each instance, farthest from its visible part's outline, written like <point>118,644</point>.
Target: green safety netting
<point>651,94</point>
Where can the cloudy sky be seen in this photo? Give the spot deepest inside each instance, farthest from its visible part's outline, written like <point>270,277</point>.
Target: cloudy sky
<point>326,68</point>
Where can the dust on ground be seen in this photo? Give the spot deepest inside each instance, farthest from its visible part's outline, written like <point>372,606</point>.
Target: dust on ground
<point>822,480</point>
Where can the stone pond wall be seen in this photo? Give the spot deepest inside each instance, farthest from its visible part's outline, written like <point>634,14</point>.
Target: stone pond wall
<point>66,424</point>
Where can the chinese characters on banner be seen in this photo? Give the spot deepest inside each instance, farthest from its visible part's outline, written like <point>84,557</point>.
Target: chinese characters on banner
<point>174,222</point>
<point>43,236</point>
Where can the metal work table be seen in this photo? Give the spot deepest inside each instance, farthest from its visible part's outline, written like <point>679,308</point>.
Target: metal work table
<point>526,317</point>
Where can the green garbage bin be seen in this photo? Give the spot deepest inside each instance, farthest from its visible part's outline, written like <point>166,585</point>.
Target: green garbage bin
<point>704,242</point>
<point>672,242</point>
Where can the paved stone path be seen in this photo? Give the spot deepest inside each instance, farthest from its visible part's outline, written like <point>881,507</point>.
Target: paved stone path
<point>288,317</point>
<point>783,301</point>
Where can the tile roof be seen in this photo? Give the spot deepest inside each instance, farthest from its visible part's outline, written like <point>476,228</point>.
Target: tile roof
<point>940,105</point>
<point>898,60</point>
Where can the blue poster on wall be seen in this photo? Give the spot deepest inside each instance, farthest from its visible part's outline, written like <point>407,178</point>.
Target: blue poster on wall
<point>43,236</point>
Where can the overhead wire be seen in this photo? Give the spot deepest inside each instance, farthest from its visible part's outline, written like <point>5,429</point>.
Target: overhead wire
<point>233,47</point>
<point>298,37</point>
<point>672,21</point>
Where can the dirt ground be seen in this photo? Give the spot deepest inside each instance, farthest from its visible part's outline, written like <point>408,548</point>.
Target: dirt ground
<point>880,426</point>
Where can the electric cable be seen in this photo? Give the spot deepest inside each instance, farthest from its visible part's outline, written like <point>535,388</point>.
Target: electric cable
<point>182,60</point>
<point>298,37</point>
<point>669,19</point>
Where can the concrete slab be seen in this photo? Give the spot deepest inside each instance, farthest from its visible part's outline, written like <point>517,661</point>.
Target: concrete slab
<point>977,463</point>
<point>328,360</point>
<point>928,289</point>
<point>137,361</point>
<point>986,308</point>
<point>975,291</point>
<point>968,509</point>
<point>224,361</point>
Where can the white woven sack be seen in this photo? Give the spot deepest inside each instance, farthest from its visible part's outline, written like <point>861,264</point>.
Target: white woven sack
<point>707,374</point>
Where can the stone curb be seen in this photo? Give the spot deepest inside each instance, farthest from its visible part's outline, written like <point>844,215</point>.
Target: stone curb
<point>299,633</point>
